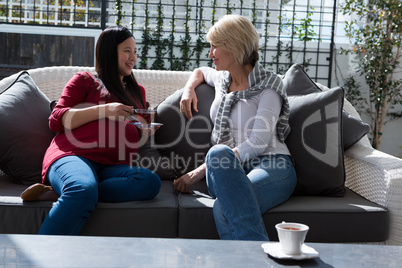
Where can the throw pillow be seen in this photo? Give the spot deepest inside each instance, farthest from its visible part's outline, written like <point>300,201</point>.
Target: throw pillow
<point>353,129</point>
<point>297,82</point>
<point>315,142</point>
<point>25,135</point>
<point>185,142</point>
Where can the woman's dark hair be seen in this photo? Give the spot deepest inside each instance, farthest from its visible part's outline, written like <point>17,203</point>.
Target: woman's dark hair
<point>108,70</point>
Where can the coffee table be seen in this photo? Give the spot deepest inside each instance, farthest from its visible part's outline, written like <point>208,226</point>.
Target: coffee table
<point>81,251</point>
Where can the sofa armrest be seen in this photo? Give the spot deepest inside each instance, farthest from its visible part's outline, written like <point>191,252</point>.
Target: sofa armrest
<point>377,176</point>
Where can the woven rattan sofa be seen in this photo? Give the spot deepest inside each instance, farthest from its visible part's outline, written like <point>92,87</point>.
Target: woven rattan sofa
<point>370,211</point>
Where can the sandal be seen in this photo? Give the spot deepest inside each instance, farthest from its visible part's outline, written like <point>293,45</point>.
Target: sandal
<point>39,192</point>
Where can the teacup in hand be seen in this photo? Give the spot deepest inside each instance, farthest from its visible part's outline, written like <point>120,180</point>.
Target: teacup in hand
<point>145,116</point>
<point>291,236</point>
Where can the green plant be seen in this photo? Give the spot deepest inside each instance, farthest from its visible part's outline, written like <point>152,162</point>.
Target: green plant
<point>302,31</point>
<point>118,7</point>
<point>201,44</point>
<point>174,62</point>
<point>185,41</point>
<point>158,41</point>
<point>146,39</point>
<point>375,34</point>
<point>229,9</point>
<point>266,34</point>
<point>305,30</point>
<point>353,93</point>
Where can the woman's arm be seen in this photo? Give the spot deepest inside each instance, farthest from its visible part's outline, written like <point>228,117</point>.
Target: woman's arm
<point>76,117</point>
<point>189,99</point>
<point>184,183</point>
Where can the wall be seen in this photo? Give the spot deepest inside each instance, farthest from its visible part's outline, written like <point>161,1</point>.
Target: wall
<point>27,47</point>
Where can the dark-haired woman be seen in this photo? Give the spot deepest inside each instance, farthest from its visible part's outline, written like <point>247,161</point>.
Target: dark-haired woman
<point>89,159</point>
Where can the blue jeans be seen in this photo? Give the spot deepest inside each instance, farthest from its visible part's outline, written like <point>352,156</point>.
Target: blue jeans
<point>81,183</point>
<point>244,192</point>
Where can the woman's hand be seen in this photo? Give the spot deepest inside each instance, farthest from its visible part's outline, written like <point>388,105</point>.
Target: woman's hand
<point>117,111</point>
<point>189,98</point>
<point>184,183</point>
<point>188,101</point>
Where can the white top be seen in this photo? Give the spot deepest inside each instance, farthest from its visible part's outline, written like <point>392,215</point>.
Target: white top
<point>253,121</point>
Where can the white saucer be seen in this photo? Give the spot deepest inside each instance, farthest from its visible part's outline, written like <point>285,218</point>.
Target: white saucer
<point>274,249</point>
<point>138,124</point>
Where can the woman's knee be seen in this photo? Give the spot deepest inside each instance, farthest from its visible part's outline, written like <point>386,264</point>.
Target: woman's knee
<point>153,184</point>
<point>219,157</point>
<point>83,194</point>
<point>219,150</point>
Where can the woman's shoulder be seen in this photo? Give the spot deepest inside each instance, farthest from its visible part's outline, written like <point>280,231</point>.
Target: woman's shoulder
<point>86,75</point>
<point>84,81</point>
<point>83,77</point>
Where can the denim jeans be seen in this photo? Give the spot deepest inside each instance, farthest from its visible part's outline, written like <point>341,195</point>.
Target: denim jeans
<point>244,192</point>
<point>81,183</point>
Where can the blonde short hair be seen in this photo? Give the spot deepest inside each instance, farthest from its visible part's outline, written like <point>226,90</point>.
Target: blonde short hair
<point>237,35</point>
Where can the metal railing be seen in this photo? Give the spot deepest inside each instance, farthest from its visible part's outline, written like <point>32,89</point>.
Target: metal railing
<point>170,34</point>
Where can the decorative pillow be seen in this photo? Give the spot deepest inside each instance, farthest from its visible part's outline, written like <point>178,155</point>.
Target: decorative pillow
<point>25,134</point>
<point>353,129</point>
<point>185,142</point>
<point>297,82</point>
<point>315,142</point>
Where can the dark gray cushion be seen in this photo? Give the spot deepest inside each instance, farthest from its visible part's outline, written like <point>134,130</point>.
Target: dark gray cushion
<point>315,142</point>
<point>25,133</point>
<point>297,82</point>
<point>196,219</point>
<point>350,218</point>
<point>149,157</point>
<point>185,143</point>
<point>149,218</point>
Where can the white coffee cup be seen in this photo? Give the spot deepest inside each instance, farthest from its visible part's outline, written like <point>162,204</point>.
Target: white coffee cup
<point>291,236</point>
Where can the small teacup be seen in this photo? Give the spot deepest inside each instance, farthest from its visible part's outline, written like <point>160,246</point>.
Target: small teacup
<point>146,116</point>
<point>291,236</point>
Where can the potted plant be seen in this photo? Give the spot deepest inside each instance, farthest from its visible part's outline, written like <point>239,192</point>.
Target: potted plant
<point>375,36</point>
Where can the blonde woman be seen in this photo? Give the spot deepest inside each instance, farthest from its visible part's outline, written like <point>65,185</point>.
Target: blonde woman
<point>249,170</point>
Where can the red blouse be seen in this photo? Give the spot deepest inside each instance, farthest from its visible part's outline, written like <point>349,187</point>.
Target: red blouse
<point>104,141</point>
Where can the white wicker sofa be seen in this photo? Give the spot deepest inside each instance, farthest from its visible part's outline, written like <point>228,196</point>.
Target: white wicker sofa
<point>374,176</point>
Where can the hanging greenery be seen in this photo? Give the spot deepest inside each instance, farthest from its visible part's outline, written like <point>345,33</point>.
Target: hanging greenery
<point>254,13</point>
<point>201,43</point>
<point>266,36</point>
<point>229,9</point>
<point>133,14</point>
<point>302,31</point>
<point>119,11</point>
<point>146,39</point>
<point>157,40</point>
<point>185,41</point>
<point>174,63</point>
